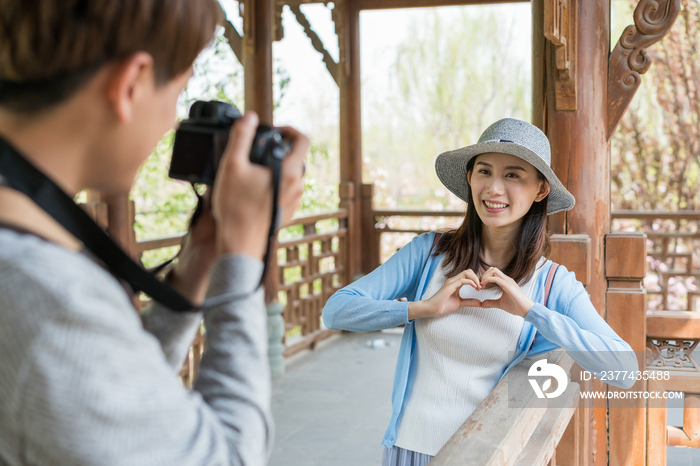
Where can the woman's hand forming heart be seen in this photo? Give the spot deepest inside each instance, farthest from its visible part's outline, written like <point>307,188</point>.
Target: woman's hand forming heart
<point>513,300</point>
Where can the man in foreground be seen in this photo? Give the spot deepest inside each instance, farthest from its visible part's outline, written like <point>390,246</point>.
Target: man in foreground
<point>86,90</point>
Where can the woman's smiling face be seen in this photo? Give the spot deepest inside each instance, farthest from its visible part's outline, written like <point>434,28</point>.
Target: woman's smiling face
<point>504,187</point>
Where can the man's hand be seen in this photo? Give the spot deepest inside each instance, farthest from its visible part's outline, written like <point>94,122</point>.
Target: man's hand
<point>238,210</point>
<point>190,276</point>
<point>242,198</point>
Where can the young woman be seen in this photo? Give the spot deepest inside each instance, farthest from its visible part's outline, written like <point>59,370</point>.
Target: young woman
<point>475,298</point>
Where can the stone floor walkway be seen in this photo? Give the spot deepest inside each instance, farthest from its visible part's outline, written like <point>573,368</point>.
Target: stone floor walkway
<point>333,404</point>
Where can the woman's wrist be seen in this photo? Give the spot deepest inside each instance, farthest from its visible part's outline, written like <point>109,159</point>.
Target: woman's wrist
<point>417,310</point>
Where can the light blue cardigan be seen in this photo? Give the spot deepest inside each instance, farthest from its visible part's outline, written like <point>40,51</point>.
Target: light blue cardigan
<point>569,321</point>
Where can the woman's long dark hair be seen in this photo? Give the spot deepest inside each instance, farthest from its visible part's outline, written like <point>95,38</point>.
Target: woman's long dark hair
<point>462,246</point>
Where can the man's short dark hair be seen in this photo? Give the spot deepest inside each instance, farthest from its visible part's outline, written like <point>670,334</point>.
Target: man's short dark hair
<point>50,48</point>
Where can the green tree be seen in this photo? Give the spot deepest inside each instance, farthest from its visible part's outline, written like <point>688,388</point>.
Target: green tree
<point>452,77</point>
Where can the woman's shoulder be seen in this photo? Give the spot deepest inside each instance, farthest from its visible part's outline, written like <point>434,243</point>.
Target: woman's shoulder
<point>565,285</point>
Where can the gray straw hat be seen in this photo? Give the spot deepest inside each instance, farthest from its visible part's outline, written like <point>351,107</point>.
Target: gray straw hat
<point>506,136</point>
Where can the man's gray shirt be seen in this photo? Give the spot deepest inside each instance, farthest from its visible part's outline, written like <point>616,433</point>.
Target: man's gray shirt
<point>85,381</point>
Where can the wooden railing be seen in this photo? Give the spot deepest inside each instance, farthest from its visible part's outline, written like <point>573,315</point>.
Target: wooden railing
<point>671,338</point>
<point>673,255</point>
<point>190,368</point>
<point>512,426</point>
<point>310,269</point>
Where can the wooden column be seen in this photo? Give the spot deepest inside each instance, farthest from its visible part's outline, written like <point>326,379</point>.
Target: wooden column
<point>538,66</point>
<point>370,237</point>
<point>625,263</point>
<point>350,123</point>
<point>257,65</point>
<point>257,57</point>
<point>120,218</point>
<point>580,158</point>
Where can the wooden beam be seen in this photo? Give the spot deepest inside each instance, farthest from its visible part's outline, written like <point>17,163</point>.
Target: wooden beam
<point>163,242</point>
<point>542,445</point>
<point>392,4</point>
<point>309,342</point>
<point>683,381</point>
<point>657,214</point>
<point>671,325</point>
<point>678,438</point>
<point>629,59</point>
<point>502,425</point>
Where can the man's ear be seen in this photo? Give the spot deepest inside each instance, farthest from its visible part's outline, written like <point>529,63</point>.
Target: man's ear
<point>544,191</point>
<point>130,81</point>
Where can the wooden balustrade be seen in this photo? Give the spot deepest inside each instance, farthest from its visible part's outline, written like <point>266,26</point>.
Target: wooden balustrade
<point>673,242</point>
<point>320,261</point>
<point>671,338</point>
<point>190,368</point>
<point>671,248</point>
<point>512,426</point>
<point>320,258</point>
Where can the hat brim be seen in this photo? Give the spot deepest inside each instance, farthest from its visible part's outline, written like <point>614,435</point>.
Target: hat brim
<point>451,169</point>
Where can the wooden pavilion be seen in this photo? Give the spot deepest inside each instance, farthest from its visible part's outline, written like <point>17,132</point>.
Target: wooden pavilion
<point>580,91</point>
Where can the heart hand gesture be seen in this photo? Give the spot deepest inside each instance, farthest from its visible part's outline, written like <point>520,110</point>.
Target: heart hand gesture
<point>513,300</point>
<point>446,299</point>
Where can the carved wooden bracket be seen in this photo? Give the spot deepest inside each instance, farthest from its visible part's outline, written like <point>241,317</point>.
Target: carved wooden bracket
<point>629,59</point>
<point>277,28</point>
<point>339,17</point>
<point>245,10</point>
<point>331,65</point>
<point>560,27</point>
<point>235,41</point>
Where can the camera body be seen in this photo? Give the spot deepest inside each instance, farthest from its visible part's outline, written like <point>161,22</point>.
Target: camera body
<point>200,141</point>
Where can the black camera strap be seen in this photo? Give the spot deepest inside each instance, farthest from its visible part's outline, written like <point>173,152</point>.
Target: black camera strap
<point>22,176</point>
<point>276,172</point>
<point>199,210</point>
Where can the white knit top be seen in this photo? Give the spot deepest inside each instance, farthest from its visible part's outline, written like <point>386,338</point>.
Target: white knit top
<point>459,359</point>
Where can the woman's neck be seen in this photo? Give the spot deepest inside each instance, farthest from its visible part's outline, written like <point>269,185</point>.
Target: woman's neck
<point>498,245</point>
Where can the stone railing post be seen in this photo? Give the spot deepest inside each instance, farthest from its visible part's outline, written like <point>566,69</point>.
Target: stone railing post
<point>275,332</point>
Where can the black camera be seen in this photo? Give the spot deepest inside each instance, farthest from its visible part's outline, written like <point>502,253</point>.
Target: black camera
<point>200,141</point>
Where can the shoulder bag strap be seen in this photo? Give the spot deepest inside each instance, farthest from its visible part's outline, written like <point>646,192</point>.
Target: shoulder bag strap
<point>548,283</point>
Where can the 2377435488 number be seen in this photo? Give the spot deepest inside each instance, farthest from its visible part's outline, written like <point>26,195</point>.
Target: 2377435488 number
<point>630,375</point>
